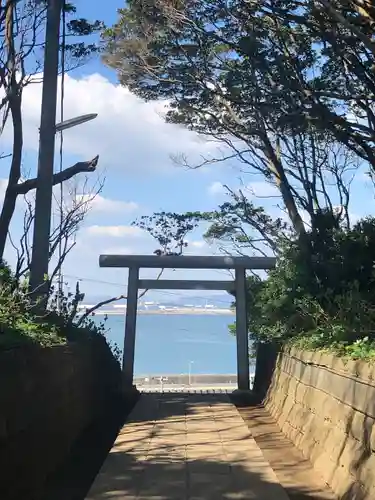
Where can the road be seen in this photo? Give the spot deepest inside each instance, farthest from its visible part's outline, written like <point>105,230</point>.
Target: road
<point>186,388</point>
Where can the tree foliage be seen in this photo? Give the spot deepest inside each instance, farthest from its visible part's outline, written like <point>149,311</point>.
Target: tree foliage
<point>289,63</point>
<point>238,225</point>
<point>328,304</point>
<point>263,78</point>
<point>169,229</point>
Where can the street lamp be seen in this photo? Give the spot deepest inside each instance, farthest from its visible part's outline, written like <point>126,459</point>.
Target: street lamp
<point>75,121</point>
<point>43,203</point>
<point>190,363</point>
<point>47,133</point>
<point>162,380</point>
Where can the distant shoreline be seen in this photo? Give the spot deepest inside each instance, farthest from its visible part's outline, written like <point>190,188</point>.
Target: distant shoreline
<point>196,312</point>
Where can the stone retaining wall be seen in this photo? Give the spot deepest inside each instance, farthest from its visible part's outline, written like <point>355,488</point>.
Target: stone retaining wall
<point>47,398</point>
<point>326,406</point>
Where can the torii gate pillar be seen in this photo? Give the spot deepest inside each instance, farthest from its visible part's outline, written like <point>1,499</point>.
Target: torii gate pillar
<point>239,264</point>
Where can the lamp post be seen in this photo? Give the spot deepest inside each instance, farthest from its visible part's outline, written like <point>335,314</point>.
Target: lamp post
<point>43,206</point>
<point>43,199</point>
<point>47,132</point>
<point>190,363</point>
<point>60,127</point>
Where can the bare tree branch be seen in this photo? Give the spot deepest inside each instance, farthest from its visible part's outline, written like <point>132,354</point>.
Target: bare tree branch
<point>92,309</point>
<point>68,173</point>
<point>62,236</point>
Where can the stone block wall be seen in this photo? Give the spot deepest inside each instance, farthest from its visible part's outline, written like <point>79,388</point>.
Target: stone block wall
<point>326,406</point>
<point>47,398</point>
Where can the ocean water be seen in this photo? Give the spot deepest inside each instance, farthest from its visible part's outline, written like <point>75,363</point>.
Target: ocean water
<point>169,344</point>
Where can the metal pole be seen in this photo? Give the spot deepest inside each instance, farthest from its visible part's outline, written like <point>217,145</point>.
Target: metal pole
<point>130,328</point>
<point>243,378</point>
<point>60,291</point>
<point>43,200</point>
<point>190,363</point>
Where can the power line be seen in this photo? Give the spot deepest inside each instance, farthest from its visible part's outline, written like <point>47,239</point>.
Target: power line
<point>61,152</point>
<point>79,278</point>
<point>164,292</point>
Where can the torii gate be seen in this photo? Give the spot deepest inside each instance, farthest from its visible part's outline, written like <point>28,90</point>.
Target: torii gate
<point>239,264</point>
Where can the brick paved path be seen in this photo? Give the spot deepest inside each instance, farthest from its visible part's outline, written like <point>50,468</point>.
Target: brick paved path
<point>185,447</point>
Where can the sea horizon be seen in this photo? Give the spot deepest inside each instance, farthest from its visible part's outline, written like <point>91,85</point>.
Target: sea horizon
<point>175,311</point>
<point>176,344</point>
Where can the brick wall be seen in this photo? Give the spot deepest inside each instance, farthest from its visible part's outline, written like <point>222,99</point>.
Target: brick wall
<point>47,398</point>
<point>326,406</point>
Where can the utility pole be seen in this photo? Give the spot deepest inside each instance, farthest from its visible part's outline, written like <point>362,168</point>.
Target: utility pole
<point>43,200</point>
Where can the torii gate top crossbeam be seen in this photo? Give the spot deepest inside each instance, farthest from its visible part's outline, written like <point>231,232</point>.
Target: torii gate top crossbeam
<point>187,262</point>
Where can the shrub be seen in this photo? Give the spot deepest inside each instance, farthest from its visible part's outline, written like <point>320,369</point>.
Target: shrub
<point>322,292</point>
<point>21,325</point>
<point>18,322</point>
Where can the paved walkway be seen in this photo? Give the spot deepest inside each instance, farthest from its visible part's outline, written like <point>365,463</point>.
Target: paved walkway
<point>186,447</point>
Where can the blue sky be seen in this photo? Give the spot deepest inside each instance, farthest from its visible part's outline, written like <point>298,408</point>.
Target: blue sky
<point>135,146</point>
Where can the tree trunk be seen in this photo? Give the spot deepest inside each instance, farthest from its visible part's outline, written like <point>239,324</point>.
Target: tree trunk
<point>10,198</point>
<point>277,169</point>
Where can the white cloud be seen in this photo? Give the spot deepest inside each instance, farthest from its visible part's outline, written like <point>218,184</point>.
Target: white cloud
<point>261,189</point>
<point>200,247</point>
<point>197,244</point>
<point>106,205</point>
<point>120,250</point>
<point>216,188</point>
<point>114,231</point>
<point>258,189</point>
<point>353,217</point>
<point>128,133</point>
<point>3,186</point>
